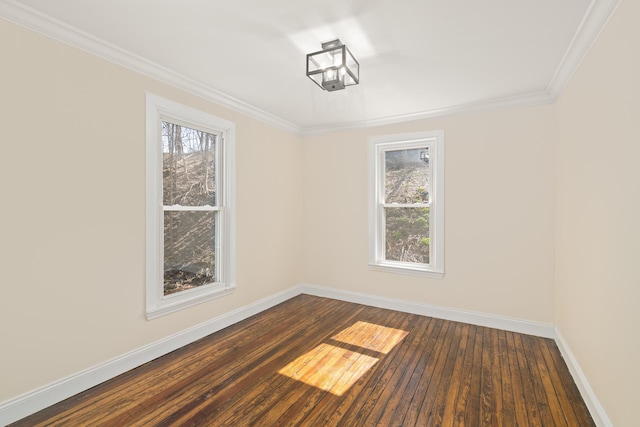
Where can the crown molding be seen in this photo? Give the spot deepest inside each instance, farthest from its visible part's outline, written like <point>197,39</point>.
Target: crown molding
<point>516,101</point>
<point>594,20</point>
<point>27,17</point>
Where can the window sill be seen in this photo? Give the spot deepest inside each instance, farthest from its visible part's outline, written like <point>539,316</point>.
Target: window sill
<point>407,270</point>
<point>186,299</point>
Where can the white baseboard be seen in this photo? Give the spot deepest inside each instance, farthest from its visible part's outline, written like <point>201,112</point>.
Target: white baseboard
<point>595,408</point>
<point>29,403</point>
<point>481,319</point>
<point>545,330</point>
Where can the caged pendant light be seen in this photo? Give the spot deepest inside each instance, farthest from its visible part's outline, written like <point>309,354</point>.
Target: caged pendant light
<point>333,67</point>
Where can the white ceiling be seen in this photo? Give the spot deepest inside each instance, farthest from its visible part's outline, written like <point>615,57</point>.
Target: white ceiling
<point>418,58</point>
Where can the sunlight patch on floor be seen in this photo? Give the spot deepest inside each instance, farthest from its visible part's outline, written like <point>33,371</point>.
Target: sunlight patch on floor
<point>329,368</point>
<point>335,369</point>
<point>371,336</point>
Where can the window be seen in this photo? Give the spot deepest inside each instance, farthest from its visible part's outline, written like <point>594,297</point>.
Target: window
<point>190,207</point>
<point>407,203</point>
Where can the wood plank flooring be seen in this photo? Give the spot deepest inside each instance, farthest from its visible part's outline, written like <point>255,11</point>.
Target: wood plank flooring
<point>319,362</point>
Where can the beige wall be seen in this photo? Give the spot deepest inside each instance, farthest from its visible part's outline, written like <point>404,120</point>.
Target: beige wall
<point>598,211</point>
<point>499,232</point>
<point>72,181</point>
<point>540,215</point>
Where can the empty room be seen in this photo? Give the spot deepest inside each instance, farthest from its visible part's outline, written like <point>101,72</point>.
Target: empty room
<point>358,213</point>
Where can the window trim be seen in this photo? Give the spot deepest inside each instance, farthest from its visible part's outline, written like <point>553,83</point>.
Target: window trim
<point>377,146</point>
<point>158,304</point>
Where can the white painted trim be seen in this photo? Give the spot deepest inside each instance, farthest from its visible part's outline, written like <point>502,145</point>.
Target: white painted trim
<point>516,101</point>
<point>594,20</point>
<point>157,110</point>
<point>29,403</point>
<point>34,20</point>
<point>378,146</point>
<point>185,299</point>
<point>405,270</point>
<point>34,401</point>
<point>596,17</point>
<point>528,327</point>
<point>595,408</point>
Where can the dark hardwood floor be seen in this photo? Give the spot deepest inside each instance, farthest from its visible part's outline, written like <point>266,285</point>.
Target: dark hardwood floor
<point>319,362</point>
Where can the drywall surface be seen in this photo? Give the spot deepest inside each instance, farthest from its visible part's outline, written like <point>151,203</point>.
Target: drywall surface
<point>598,232</point>
<point>73,225</point>
<point>499,214</point>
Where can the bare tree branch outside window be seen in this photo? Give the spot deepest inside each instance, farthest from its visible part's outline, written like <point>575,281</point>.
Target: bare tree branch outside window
<point>190,200</point>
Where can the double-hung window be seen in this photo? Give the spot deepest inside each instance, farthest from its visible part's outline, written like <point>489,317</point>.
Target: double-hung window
<point>190,206</point>
<point>407,203</point>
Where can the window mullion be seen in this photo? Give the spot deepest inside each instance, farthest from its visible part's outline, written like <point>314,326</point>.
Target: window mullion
<point>411,165</point>
<point>406,205</point>
<point>178,208</point>
<point>186,253</point>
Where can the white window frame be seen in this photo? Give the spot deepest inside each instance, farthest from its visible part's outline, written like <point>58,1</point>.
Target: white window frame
<point>378,145</point>
<point>158,304</point>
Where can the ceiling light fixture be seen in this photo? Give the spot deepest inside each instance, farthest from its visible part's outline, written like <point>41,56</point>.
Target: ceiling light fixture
<point>334,67</point>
